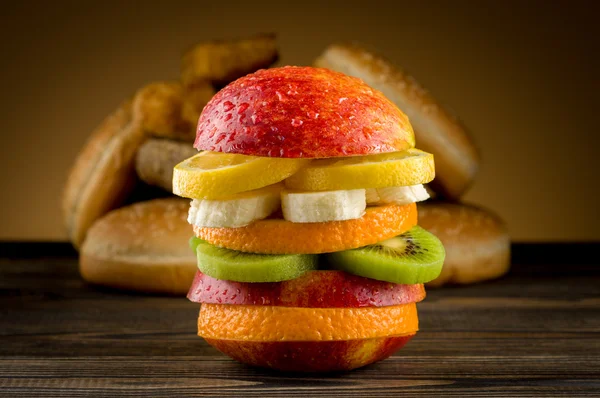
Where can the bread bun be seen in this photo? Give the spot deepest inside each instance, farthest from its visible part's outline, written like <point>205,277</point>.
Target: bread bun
<point>103,173</point>
<point>156,158</point>
<point>476,241</point>
<point>295,112</point>
<point>436,130</point>
<point>170,110</point>
<point>142,247</point>
<point>223,61</point>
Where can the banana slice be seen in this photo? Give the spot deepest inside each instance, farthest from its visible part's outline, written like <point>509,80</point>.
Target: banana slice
<point>236,210</point>
<point>396,195</point>
<point>372,196</point>
<point>310,207</point>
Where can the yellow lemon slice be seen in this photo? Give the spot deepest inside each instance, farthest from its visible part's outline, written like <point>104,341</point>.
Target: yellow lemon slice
<point>213,175</point>
<point>393,169</point>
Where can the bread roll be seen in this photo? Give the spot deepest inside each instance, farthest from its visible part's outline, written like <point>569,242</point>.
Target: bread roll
<point>436,130</point>
<point>222,61</point>
<point>156,158</point>
<point>476,241</point>
<point>169,110</point>
<point>103,173</point>
<point>142,247</point>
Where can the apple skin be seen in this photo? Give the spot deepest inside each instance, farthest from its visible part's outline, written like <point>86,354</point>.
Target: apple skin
<point>311,356</point>
<point>314,289</point>
<point>302,112</point>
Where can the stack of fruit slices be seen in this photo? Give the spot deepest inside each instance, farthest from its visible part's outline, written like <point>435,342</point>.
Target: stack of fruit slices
<point>309,264</point>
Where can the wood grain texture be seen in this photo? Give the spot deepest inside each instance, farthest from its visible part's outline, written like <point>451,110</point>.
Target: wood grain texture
<point>535,332</point>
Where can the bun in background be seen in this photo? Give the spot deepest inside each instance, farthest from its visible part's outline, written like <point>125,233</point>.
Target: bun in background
<point>476,241</point>
<point>142,247</point>
<point>436,130</point>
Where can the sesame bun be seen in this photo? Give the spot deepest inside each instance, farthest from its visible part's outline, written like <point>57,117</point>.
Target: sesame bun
<point>222,61</point>
<point>170,110</point>
<point>436,130</point>
<point>156,158</point>
<point>142,247</point>
<point>476,241</point>
<point>103,173</point>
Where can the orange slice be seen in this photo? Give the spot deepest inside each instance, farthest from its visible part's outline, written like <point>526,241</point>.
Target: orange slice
<point>277,236</point>
<point>272,323</point>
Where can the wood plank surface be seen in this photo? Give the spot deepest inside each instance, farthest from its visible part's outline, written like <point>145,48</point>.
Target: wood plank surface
<point>535,332</point>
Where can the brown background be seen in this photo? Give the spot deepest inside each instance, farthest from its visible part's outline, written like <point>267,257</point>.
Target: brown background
<point>523,77</point>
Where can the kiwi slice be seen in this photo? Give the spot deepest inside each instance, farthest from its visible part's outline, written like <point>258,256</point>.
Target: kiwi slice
<point>416,256</point>
<point>233,265</point>
<point>194,242</point>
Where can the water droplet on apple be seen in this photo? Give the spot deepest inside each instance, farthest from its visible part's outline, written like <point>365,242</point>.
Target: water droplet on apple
<point>312,114</point>
<point>242,107</point>
<point>297,122</point>
<point>227,106</point>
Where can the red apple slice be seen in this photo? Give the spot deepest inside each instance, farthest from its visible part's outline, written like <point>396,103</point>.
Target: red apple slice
<point>302,112</point>
<point>311,356</point>
<point>314,289</point>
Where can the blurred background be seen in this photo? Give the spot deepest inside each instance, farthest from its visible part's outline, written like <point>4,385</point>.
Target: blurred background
<point>523,76</point>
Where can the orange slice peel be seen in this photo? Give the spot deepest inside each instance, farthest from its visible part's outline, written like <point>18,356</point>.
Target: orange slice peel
<point>278,236</point>
<point>272,323</point>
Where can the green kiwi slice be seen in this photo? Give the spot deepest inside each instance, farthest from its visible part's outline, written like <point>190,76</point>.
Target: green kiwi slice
<point>416,256</point>
<point>233,265</point>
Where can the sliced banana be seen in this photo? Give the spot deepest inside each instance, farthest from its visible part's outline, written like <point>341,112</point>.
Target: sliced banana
<point>396,195</point>
<point>236,210</point>
<point>310,207</point>
<point>371,195</point>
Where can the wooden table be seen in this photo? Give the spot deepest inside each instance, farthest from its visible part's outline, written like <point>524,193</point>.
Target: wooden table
<point>534,332</point>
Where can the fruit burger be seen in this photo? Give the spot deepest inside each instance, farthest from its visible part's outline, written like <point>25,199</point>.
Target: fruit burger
<point>304,210</point>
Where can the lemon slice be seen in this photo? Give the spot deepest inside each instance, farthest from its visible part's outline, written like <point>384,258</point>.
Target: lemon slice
<point>213,175</point>
<point>392,169</point>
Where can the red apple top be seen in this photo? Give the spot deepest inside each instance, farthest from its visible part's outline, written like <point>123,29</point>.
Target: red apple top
<point>296,112</point>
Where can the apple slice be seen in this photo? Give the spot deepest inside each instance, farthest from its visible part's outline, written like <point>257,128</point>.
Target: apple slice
<point>314,289</point>
<point>311,356</point>
<point>302,112</point>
